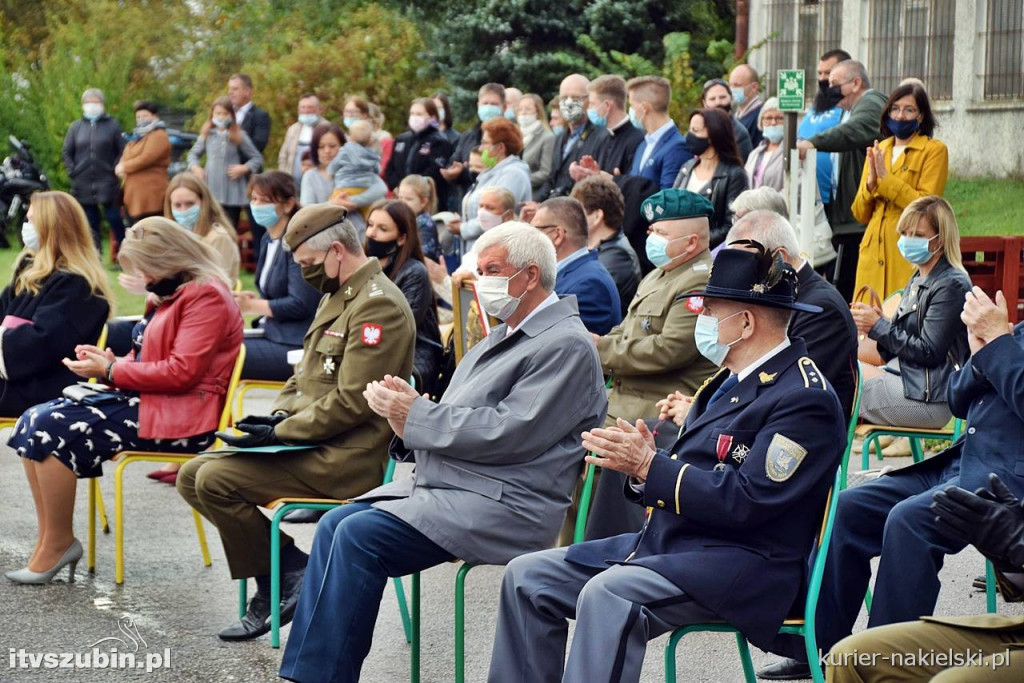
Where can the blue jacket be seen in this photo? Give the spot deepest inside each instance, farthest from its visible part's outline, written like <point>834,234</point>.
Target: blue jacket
<point>292,299</point>
<point>595,291</point>
<point>667,158</point>
<point>737,540</point>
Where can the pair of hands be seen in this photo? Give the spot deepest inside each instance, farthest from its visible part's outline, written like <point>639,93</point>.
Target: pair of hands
<point>985,319</point>
<point>875,166</point>
<point>258,431</point>
<point>676,406</point>
<point>865,316</point>
<point>251,304</point>
<point>991,519</point>
<point>391,398</point>
<point>586,167</point>
<point>624,448</point>
<point>90,361</point>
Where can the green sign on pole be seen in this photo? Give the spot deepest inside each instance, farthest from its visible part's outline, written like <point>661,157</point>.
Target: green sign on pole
<point>791,89</point>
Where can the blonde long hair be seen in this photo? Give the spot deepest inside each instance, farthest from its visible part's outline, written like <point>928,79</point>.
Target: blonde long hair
<point>211,213</point>
<point>939,214</point>
<point>160,248</point>
<point>65,244</point>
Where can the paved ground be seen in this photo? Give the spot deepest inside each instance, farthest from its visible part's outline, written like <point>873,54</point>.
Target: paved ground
<point>179,605</point>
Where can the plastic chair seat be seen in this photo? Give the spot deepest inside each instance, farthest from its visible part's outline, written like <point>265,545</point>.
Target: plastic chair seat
<point>278,502</point>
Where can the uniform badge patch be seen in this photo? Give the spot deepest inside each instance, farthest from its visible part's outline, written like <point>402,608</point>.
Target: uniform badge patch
<point>739,454</point>
<point>649,212</point>
<point>645,324</point>
<point>329,366</point>
<point>332,333</point>
<point>783,457</point>
<point>372,334</point>
<point>695,304</point>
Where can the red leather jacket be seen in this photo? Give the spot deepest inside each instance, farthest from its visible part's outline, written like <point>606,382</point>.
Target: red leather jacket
<point>187,357</point>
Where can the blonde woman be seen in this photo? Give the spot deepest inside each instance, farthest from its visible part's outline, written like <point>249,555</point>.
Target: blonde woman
<point>59,297</point>
<point>167,399</point>
<point>925,342</point>
<point>189,202</point>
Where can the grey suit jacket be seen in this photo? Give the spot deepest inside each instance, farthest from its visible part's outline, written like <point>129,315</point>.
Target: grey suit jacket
<point>497,458</point>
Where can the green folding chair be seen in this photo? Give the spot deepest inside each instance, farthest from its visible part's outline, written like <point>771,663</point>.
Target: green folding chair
<point>460,592</point>
<point>800,627</point>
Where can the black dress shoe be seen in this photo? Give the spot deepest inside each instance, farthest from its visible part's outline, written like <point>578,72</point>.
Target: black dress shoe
<point>256,621</point>
<point>303,516</point>
<point>981,584</point>
<point>785,670</point>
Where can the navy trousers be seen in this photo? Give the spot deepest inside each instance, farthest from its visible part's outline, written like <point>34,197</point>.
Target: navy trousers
<point>112,213</point>
<point>889,517</point>
<point>355,549</point>
<point>267,360</point>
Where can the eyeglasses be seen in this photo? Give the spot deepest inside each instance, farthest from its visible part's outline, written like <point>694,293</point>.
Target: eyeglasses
<point>779,118</point>
<point>905,111</point>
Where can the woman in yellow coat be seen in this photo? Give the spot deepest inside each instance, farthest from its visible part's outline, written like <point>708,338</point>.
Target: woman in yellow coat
<point>899,169</point>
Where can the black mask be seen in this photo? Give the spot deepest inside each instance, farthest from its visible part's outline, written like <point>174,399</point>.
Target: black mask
<point>727,108</point>
<point>167,286</point>
<point>696,145</point>
<point>473,176</point>
<point>833,95</point>
<point>381,250</point>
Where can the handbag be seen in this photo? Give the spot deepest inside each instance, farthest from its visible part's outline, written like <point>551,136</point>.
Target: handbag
<point>92,394</point>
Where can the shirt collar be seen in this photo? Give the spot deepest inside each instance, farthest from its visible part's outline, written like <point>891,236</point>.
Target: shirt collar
<point>745,372</point>
<point>243,110</point>
<point>575,256</point>
<point>652,138</point>
<point>552,299</point>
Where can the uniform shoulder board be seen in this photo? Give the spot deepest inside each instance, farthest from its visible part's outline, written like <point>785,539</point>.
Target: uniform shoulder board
<point>812,376</point>
<point>707,382</point>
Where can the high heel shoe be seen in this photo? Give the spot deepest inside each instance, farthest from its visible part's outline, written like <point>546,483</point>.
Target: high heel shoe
<point>70,558</point>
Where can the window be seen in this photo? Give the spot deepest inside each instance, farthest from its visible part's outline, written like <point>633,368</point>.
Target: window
<point>912,38</point>
<point>1004,50</point>
<point>805,29</point>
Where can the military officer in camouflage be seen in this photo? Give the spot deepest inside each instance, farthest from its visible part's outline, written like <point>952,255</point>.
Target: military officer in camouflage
<point>363,329</point>
<point>652,353</point>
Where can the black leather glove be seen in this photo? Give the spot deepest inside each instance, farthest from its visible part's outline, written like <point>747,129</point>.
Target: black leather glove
<point>270,420</point>
<point>992,520</point>
<point>255,436</point>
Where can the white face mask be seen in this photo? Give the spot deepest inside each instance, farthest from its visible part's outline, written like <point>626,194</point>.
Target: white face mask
<point>527,120</point>
<point>488,220</point>
<point>494,296</point>
<point>29,235</point>
<point>92,110</point>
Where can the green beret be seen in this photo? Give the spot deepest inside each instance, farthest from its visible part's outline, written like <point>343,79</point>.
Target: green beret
<point>310,220</point>
<point>673,204</point>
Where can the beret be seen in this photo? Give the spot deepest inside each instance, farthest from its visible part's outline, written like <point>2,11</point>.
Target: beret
<point>673,204</point>
<point>310,220</point>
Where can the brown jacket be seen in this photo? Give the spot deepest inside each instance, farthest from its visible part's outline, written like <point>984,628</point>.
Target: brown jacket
<point>145,164</point>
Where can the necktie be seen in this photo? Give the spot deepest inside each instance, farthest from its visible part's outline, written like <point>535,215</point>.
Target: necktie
<point>724,389</point>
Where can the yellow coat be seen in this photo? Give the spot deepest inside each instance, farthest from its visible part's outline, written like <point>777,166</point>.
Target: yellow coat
<point>920,171</point>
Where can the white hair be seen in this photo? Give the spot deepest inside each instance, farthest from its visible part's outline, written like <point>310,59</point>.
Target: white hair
<point>524,246</point>
<point>771,104</point>
<point>764,198</point>
<point>768,228</point>
<point>94,93</point>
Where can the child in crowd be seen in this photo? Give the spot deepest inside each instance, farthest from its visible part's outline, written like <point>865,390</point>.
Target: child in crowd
<point>418,193</point>
<point>305,162</point>
<point>356,169</point>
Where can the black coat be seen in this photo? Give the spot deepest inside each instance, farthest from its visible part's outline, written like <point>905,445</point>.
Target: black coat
<point>830,336</point>
<point>63,314</point>
<point>292,300</point>
<point>424,153</point>
<point>91,151</point>
<point>620,260</point>
<point>926,332</point>
<point>726,184</point>
<point>257,126</point>
<point>414,281</point>
<point>559,184</point>
<point>620,148</point>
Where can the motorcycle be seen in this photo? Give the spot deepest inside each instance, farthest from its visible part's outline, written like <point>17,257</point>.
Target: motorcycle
<point>20,176</point>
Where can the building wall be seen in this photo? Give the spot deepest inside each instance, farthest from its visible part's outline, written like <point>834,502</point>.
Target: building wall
<point>985,136</point>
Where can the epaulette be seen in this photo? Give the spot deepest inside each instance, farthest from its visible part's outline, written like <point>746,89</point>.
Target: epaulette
<point>811,373</point>
<point>707,382</point>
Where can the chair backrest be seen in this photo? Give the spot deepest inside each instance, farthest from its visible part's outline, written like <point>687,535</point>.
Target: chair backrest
<point>851,428</point>
<point>236,376</point>
<point>821,550</point>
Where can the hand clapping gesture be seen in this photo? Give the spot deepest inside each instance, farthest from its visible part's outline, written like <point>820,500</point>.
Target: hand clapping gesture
<point>624,448</point>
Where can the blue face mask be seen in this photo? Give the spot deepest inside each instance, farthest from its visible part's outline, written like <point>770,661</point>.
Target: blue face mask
<point>597,119</point>
<point>739,97</point>
<point>349,121</point>
<point>264,214</point>
<point>656,249</point>
<point>634,119</point>
<point>902,129</point>
<point>705,336</point>
<point>308,119</point>
<point>774,133</point>
<point>486,112</point>
<point>186,218</point>
<point>557,130</point>
<point>510,114</point>
<point>915,249</point>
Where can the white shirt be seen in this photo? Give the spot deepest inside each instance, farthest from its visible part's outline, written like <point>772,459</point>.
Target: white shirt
<point>552,299</point>
<point>652,140</point>
<point>242,111</point>
<point>273,246</point>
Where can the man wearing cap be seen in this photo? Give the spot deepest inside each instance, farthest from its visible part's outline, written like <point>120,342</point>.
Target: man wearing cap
<point>735,504</point>
<point>495,459</point>
<point>363,330</point>
<point>652,353</point>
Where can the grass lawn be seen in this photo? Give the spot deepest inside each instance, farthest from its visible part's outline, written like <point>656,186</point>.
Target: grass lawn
<point>985,206</point>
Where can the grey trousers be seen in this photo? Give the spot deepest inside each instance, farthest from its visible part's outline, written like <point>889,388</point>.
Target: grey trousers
<point>617,610</point>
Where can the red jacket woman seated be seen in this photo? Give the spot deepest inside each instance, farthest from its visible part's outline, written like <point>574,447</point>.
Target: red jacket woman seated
<point>169,394</point>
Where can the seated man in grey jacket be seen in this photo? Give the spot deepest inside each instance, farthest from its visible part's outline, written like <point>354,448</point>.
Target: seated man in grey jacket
<point>496,459</point>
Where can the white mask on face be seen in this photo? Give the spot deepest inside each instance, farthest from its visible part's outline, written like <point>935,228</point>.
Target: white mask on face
<point>494,296</point>
<point>488,220</point>
<point>29,235</point>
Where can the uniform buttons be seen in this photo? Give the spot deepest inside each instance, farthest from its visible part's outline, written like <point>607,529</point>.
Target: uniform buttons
<point>675,456</point>
<point>971,430</point>
<point>661,503</point>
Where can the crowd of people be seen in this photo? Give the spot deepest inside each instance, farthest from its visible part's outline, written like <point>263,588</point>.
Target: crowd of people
<point>658,321</point>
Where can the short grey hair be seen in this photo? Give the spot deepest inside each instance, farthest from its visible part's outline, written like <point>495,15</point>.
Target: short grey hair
<point>343,232</point>
<point>768,228</point>
<point>94,93</point>
<point>854,69</point>
<point>524,246</point>
<point>771,104</point>
<point>763,198</point>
